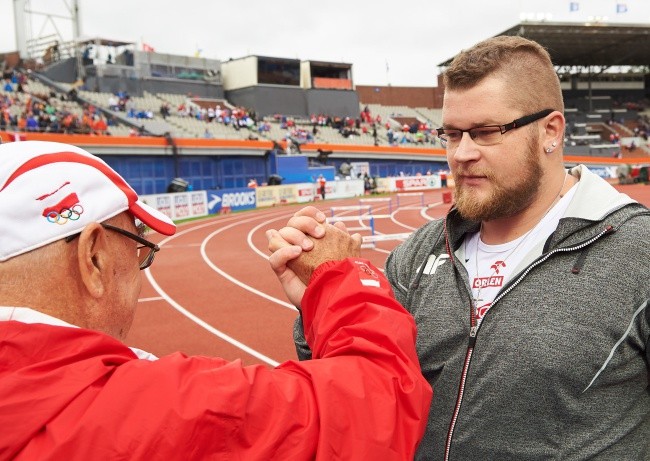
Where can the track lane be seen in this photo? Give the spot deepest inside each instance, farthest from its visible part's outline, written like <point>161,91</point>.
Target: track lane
<point>239,251</point>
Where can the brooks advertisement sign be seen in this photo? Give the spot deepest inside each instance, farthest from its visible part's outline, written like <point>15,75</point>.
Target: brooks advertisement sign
<point>235,199</point>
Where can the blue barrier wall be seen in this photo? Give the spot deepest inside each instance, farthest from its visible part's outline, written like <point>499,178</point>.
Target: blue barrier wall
<point>150,174</point>
<point>388,168</point>
<point>295,169</point>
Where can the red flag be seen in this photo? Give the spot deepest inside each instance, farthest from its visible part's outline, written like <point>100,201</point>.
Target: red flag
<point>147,48</point>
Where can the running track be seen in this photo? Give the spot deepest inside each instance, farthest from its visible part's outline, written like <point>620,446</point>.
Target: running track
<point>212,292</point>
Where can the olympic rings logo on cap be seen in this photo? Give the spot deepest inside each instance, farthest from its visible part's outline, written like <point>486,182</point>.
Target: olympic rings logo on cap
<point>65,214</point>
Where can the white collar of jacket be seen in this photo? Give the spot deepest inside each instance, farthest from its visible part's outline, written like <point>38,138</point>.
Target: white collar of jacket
<point>27,315</point>
<point>594,198</point>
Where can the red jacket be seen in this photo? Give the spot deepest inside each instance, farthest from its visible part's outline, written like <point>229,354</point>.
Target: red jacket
<point>68,393</point>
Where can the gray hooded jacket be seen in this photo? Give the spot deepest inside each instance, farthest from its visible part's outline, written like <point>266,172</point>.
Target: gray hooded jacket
<point>559,366</point>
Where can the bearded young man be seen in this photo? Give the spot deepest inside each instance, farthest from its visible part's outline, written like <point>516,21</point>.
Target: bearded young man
<point>531,295</point>
<point>534,331</point>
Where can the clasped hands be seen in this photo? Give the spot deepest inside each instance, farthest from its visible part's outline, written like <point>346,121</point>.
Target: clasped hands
<point>305,243</point>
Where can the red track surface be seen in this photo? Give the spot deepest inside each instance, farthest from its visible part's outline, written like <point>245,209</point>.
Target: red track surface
<point>211,290</point>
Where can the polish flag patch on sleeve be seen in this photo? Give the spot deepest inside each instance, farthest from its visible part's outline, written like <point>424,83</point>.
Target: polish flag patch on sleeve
<point>367,276</point>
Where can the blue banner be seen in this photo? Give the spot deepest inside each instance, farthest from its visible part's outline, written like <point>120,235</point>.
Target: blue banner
<point>236,199</point>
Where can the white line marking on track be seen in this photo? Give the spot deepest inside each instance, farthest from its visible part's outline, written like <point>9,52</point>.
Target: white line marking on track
<point>207,326</point>
<point>233,279</point>
<point>424,214</point>
<point>200,322</point>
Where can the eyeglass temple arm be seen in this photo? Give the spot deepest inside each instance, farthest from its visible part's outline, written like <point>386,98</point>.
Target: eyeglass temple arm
<point>525,120</point>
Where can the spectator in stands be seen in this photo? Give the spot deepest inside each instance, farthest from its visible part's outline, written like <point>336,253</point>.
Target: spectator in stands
<point>289,148</point>
<point>632,146</point>
<point>532,294</point>
<point>99,125</point>
<point>72,389</point>
<point>390,135</point>
<point>165,110</point>
<point>31,123</point>
<point>113,103</point>
<point>252,183</point>
<point>55,125</point>
<point>22,122</point>
<point>264,127</point>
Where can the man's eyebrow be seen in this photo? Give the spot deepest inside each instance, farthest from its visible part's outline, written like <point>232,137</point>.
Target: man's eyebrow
<point>473,125</point>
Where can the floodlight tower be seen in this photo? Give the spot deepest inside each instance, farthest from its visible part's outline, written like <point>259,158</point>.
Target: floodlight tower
<point>30,41</point>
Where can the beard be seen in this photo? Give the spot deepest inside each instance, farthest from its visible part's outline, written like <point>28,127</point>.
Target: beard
<point>502,201</point>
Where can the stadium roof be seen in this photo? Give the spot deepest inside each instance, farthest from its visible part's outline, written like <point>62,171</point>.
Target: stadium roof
<point>583,44</point>
<point>102,41</point>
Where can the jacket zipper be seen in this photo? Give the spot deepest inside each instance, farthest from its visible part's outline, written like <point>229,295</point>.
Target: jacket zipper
<point>474,328</point>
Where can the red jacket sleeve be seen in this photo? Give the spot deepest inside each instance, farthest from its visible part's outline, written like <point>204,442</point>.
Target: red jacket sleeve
<point>373,401</point>
<point>363,397</point>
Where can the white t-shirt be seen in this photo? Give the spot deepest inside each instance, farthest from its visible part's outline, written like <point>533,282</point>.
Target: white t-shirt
<point>490,266</point>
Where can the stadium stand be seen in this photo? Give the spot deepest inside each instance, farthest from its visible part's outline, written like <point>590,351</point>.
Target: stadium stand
<point>393,129</point>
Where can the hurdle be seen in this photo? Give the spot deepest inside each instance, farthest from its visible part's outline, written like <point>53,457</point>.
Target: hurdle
<point>403,195</point>
<point>370,241</point>
<point>388,200</point>
<point>360,208</point>
<point>359,218</point>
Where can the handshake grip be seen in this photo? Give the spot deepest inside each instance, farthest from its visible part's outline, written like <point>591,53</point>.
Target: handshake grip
<point>335,245</point>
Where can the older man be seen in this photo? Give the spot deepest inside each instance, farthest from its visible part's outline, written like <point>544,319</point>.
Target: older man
<point>71,251</point>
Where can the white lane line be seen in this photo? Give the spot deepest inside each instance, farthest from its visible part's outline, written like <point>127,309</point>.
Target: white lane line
<point>193,317</point>
<point>249,237</point>
<point>399,223</point>
<point>207,326</point>
<point>232,279</point>
<point>424,211</point>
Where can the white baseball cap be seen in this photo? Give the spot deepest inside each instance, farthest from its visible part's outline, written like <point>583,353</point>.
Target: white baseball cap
<point>51,190</point>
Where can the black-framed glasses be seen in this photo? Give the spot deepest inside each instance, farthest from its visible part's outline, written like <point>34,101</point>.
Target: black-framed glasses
<point>487,135</point>
<point>146,250</point>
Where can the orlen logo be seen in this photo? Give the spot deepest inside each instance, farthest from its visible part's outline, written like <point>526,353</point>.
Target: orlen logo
<point>236,199</point>
<point>418,182</point>
<point>411,182</point>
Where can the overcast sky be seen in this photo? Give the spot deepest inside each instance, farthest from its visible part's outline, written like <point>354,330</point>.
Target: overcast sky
<point>387,41</point>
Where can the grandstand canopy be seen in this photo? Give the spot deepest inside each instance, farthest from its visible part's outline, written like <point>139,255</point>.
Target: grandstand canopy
<point>583,44</point>
<point>102,41</point>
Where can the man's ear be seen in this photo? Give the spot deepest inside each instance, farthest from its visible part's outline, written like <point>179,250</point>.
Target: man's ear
<point>93,257</point>
<point>553,135</point>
